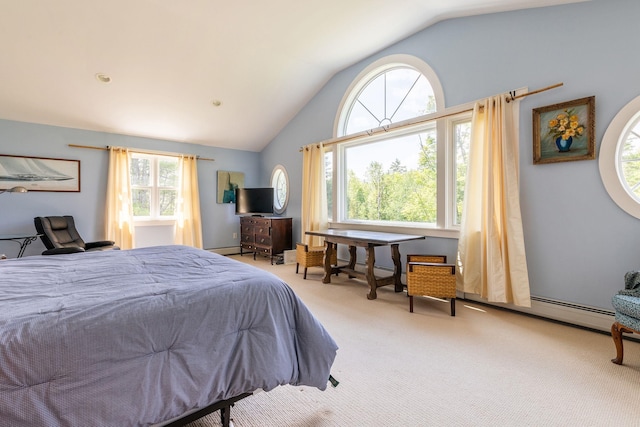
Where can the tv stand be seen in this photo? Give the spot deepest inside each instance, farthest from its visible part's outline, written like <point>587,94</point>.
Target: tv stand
<point>268,236</point>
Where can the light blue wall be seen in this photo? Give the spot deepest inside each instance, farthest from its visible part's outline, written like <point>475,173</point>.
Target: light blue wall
<point>579,243</point>
<point>18,210</point>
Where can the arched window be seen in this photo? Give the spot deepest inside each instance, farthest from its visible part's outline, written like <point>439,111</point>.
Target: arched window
<point>619,161</point>
<point>397,178</point>
<point>396,93</point>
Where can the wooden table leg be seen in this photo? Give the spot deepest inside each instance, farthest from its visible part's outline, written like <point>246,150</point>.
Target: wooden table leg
<point>397,268</point>
<point>352,259</point>
<point>327,261</point>
<point>370,274</point>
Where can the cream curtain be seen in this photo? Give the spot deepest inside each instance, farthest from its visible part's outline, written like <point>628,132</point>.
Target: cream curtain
<point>119,221</point>
<point>188,228</point>
<point>491,246</point>
<point>314,194</point>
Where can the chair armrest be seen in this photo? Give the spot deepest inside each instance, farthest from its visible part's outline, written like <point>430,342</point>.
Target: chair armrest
<point>99,244</point>
<point>62,251</point>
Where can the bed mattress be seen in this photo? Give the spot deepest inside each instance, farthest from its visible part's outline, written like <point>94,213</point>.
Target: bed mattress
<point>138,337</point>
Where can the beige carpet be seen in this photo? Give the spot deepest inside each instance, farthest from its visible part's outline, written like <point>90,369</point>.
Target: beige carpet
<point>484,367</point>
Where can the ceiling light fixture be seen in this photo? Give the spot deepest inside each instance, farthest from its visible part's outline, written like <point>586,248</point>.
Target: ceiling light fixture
<point>103,78</point>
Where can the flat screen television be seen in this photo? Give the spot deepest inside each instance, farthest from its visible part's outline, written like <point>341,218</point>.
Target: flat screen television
<point>254,201</point>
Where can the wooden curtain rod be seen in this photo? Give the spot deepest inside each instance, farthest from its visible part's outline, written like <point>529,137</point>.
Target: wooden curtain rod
<point>423,119</point>
<point>160,153</point>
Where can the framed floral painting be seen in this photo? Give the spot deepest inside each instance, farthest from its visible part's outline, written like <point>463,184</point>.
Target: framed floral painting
<point>564,132</point>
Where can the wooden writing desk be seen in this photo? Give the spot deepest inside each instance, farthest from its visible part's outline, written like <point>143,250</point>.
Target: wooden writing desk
<point>368,240</point>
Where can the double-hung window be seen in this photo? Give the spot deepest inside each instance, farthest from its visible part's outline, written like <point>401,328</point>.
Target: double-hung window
<point>154,186</point>
<point>411,171</point>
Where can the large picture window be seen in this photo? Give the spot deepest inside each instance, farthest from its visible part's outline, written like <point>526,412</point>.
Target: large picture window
<point>412,173</point>
<point>393,180</point>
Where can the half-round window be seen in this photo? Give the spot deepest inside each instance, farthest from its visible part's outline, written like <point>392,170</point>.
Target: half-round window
<point>386,93</point>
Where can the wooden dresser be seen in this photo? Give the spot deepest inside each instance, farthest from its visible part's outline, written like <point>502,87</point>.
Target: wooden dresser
<point>268,236</point>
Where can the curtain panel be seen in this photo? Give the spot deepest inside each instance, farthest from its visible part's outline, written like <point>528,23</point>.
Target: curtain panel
<point>119,212</point>
<point>188,228</point>
<point>491,250</point>
<point>314,194</point>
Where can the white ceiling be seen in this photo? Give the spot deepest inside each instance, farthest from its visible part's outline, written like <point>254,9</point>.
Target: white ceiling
<point>169,60</point>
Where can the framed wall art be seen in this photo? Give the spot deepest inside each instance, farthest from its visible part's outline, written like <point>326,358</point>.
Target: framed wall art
<point>227,184</point>
<point>564,132</point>
<point>39,173</point>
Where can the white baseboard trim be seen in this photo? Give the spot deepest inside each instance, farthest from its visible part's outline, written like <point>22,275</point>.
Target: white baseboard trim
<point>574,314</point>
<point>232,250</point>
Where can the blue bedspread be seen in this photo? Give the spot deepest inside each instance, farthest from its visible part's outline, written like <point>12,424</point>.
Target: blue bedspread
<point>137,337</point>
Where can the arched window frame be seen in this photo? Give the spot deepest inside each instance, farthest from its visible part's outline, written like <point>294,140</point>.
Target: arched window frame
<point>446,224</point>
<point>375,69</point>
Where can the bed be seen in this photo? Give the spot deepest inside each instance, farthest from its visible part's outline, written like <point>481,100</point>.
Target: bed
<point>142,337</point>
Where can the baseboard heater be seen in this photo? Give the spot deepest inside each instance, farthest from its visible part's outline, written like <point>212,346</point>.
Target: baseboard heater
<point>562,311</point>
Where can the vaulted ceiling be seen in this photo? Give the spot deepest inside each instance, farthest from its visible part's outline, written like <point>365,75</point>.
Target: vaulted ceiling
<point>169,63</point>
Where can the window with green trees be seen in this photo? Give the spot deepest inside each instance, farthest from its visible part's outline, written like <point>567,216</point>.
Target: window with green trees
<point>630,159</point>
<point>154,186</point>
<point>405,176</point>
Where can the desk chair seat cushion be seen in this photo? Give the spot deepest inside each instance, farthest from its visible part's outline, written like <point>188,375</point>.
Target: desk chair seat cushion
<point>59,235</point>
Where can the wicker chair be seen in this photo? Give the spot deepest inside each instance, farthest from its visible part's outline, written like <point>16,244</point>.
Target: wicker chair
<point>430,275</point>
<point>312,256</point>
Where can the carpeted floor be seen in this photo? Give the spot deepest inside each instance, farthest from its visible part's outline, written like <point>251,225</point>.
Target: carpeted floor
<point>483,367</point>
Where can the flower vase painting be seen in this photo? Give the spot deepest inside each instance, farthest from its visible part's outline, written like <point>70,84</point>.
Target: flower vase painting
<point>564,132</point>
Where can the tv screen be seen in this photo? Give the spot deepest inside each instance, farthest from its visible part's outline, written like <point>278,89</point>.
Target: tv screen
<point>254,201</point>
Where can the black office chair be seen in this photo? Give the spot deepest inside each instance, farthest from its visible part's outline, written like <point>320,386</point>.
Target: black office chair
<point>59,235</point>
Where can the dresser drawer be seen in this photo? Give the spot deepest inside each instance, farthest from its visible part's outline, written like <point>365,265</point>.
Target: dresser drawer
<point>263,230</point>
<point>261,222</point>
<point>263,240</point>
<point>263,250</point>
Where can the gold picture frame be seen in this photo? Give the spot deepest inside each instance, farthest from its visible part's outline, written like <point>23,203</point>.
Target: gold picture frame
<point>564,132</point>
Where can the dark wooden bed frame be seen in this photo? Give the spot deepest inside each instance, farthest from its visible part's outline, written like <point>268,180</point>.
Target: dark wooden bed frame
<point>225,412</point>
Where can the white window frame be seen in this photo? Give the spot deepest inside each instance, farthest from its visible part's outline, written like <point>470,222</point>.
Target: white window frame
<point>445,224</point>
<point>609,161</point>
<point>154,217</point>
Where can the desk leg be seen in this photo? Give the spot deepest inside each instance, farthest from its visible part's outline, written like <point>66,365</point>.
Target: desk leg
<point>397,267</point>
<point>327,262</point>
<point>24,244</point>
<point>370,274</point>
<point>352,259</point>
